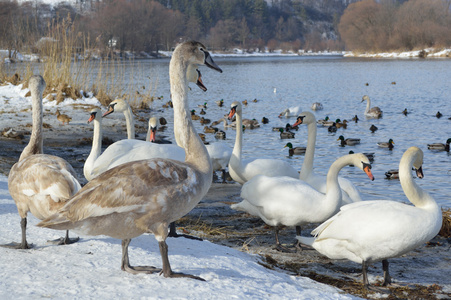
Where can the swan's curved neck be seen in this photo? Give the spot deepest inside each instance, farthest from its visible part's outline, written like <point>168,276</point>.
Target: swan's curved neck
<point>35,145</point>
<point>307,165</point>
<point>333,190</point>
<point>235,159</point>
<point>130,121</point>
<point>95,150</point>
<point>413,192</point>
<point>195,151</point>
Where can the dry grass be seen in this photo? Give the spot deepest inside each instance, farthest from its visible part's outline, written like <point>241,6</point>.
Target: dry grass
<point>67,70</point>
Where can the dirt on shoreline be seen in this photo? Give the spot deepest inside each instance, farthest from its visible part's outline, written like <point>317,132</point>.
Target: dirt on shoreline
<point>420,274</point>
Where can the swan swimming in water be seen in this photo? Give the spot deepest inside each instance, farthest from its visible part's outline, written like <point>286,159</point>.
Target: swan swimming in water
<point>371,112</point>
<point>145,196</point>
<point>372,231</point>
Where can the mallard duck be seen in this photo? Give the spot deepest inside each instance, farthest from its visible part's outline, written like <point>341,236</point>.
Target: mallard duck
<point>438,115</point>
<point>392,174</point>
<point>295,150</point>
<point>194,116</point>
<point>341,124</point>
<point>64,119</point>
<point>208,129</point>
<point>220,135</point>
<point>244,102</point>
<point>389,144</point>
<point>332,128</point>
<point>202,112</point>
<point>220,103</point>
<point>204,121</point>
<point>163,121</point>
<point>355,119</point>
<point>373,128</point>
<point>405,112</point>
<point>321,122</point>
<point>286,134</point>
<point>440,146</point>
<point>265,120</point>
<point>373,112</point>
<point>203,106</point>
<point>317,106</point>
<point>255,100</point>
<point>250,124</point>
<point>348,141</point>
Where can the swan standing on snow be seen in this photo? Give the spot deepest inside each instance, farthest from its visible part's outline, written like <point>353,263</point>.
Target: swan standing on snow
<point>373,112</point>
<point>371,231</point>
<point>349,191</point>
<point>285,201</point>
<point>243,170</point>
<point>145,196</point>
<point>39,183</point>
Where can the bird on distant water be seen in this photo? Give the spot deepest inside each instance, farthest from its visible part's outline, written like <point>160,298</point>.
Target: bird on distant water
<point>389,144</point>
<point>265,120</point>
<point>348,141</point>
<point>438,115</point>
<point>295,150</point>
<point>373,128</point>
<point>371,112</point>
<point>286,134</point>
<point>440,146</point>
<point>355,119</point>
<point>405,112</point>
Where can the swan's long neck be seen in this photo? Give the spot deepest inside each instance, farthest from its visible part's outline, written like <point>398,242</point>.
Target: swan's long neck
<point>413,192</point>
<point>307,165</point>
<point>130,121</point>
<point>235,159</point>
<point>195,151</point>
<point>95,150</point>
<point>333,190</point>
<point>35,145</point>
<point>368,104</point>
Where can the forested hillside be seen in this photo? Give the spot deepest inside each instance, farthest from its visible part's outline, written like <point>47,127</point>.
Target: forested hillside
<point>113,26</point>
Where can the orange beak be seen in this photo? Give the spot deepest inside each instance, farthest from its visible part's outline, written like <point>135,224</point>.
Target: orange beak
<point>299,121</point>
<point>92,117</point>
<point>152,135</point>
<point>109,111</point>
<point>367,170</point>
<point>232,113</point>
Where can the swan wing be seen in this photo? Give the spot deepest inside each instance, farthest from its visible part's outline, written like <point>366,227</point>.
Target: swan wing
<point>268,167</point>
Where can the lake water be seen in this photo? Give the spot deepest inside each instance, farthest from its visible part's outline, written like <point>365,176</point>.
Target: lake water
<point>422,86</point>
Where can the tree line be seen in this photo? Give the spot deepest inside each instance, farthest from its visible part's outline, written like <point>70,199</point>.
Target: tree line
<point>112,26</point>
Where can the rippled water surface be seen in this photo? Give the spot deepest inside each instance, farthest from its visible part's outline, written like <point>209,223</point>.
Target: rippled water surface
<point>422,86</point>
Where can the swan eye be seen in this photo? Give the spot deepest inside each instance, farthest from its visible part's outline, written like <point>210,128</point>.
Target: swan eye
<point>365,165</point>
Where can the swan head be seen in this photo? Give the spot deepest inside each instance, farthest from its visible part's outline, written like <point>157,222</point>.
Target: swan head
<point>365,98</point>
<point>193,74</point>
<point>152,129</point>
<point>37,85</point>
<point>284,113</point>
<point>363,163</point>
<point>417,160</point>
<point>119,105</point>
<point>235,108</point>
<point>196,54</point>
<point>95,114</point>
<point>305,117</point>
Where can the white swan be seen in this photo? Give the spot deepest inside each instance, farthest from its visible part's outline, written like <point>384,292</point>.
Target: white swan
<point>120,105</point>
<point>291,202</point>
<point>145,196</point>
<point>220,154</point>
<point>371,231</point>
<point>371,112</point>
<point>290,112</point>
<point>124,151</point>
<point>39,183</point>
<point>243,170</point>
<point>349,191</point>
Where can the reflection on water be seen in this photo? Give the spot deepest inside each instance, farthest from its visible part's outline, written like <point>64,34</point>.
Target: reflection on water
<point>421,86</point>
